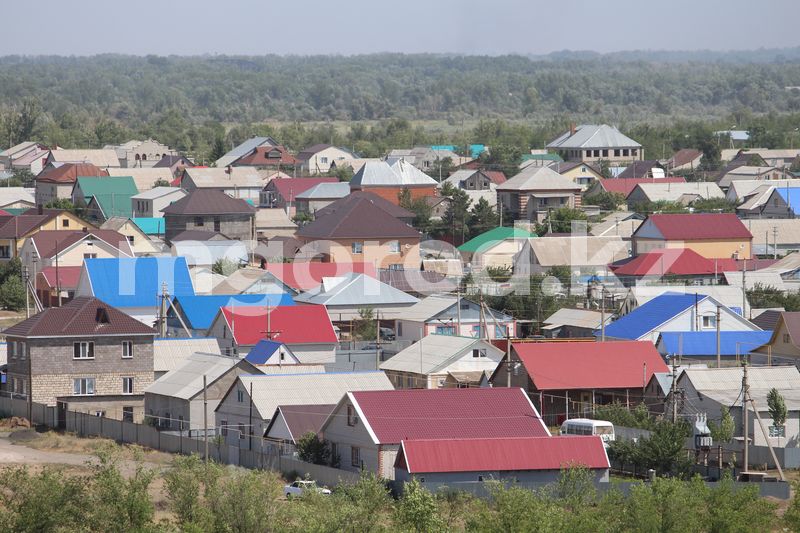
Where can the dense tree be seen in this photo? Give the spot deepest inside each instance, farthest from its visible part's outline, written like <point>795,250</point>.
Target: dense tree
<point>312,449</point>
<point>609,201</point>
<point>456,217</point>
<point>483,217</point>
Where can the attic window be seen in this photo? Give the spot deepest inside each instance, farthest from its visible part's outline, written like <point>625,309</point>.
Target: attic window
<point>101,317</point>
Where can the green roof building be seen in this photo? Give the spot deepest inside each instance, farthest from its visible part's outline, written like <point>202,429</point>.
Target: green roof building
<point>105,197</point>
<point>482,241</point>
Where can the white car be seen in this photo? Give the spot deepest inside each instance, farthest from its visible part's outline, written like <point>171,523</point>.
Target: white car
<point>300,487</point>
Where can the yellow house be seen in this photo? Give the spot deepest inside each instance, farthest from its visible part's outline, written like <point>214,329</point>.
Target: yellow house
<point>141,244</point>
<point>580,172</point>
<point>712,235</point>
<point>784,345</point>
<point>15,230</point>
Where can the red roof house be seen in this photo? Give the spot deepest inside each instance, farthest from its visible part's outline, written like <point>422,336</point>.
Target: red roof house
<point>266,156</point>
<point>625,186</point>
<point>304,276</point>
<point>712,235</point>
<point>564,379</point>
<point>51,279</point>
<point>281,191</point>
<point>671,262</point>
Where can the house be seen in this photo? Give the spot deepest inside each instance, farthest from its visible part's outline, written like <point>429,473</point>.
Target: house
<point>139,241</point>
<point>99,158</point>
<point>206,210</point>
<point>400,213</point>
<point>292,386</point>
<point>427,158</point>
<point>583,174</point>
<point>784,343</point>
<point>731,297</point>
<point>702,346</point>
<point>682,193</point>
<point>242,149</point>
<point>149,203</point>
<point>685,159</point>
<point>145,178</point>
<point>345,296</point>
<point>714,389</point>
<point>389,181</point>
<point>642,170</point>
<point>450,315</point>
<point>712,235</point>
<point>769,201</point>
<point>170,353</point>
<point>16,198</point>
<point>52,281</point>
<point>673,264</point>
<point>84,356</point>
<point>135,285</point>
<point>237,182</point>
<point>567,379</point>
<point>746,172</point>
<point>15,230</point>
<point>494,248</point>
<point>318,159</point>
<point>56,183</point>
<point>519,460</point>
<point>539,158</point>
<point>18,151</point>
<point>175,400</point>
<point>534,192</point>
<point>574,323</point>
<point>191,315</point>
<point>250,280</point>
<point>780,158</point>
<point>582,253</point>
<point>676,312</point>
<point>104,197</point>
<point>428,363</point>
<point>292,422</point>
<point>476,183</point>
<point>152,227</point>
<point>743,190</point>
<point>268,352</point>
<point>271,223</point>
<point>33,161</point>
<point>175,163</point>
<point>305,329</point>
<point>622,224</point>
<point>267,157</point>
<point>776,237</point>
<point>320,196</point>
<point>205,280</point>
<point>593,143</point>
<point>207,252</point>
<point>367,427</point>
<point>304,276</point>
<point>358,229</point>
<point>282,192</point>
<point>70,248</point>
<point>626,186</point>
<point>140,154</point>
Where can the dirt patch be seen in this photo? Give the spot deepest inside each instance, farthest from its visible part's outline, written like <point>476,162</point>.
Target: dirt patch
<point>14,422</point>
<point>23,435</point>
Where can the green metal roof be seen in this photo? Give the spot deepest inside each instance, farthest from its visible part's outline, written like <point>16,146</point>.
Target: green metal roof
<point>150,226</point>
<point>496,234</point>
<point>113,193</point>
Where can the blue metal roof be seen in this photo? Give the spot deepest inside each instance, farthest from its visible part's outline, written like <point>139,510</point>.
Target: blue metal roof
<point>261,352</point>
<point>700,343</point>
<point>791,196</point>
<point>201,309</point>
<point>150,225</point>
<point>652,314</point>
<point>137,282</point>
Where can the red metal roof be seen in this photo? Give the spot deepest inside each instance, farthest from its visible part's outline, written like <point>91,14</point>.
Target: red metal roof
<point>589,365</point>
<point>69,173</point>
<point>496,176</point>
<point>476,413</point>
<point>492,455</point>
<point>294,324</point>
<point>625,186</point>
<point>671,261</point>
<point>289,188</point>
<point>68,276</point>
<point>308,275</point>
<point>698,226</point>
<point>262,155</point>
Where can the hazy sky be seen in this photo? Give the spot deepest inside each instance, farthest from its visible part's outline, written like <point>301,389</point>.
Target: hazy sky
<point>185,27</point>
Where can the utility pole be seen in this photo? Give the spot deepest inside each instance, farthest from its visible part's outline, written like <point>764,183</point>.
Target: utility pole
<point>458,311</point>
<point>744,287</point>
<point>162,321</point>
<point>377,340</point>
<point>745,422</point>
<point>719,349</point>
<point>58,280</point>
<point>205,416</point>
<point>27,292</point>
<point>250,421</point>
<point>484,333</point>
<point>508,355</point>
<point>602,313</point>
<point>775,242</point>
<point>674,391</point>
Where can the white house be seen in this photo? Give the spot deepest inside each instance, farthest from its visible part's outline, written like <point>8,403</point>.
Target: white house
<point>148,204</point>
<point>317,159</point>
<point>447,315</point>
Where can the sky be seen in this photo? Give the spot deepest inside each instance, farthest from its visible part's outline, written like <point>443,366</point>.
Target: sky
<point>304,27</point>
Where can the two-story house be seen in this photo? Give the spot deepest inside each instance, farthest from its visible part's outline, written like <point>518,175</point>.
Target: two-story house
<point>210,210</point>
<point>592,142</point>
<point>536,191</point>
<point>318,159</point>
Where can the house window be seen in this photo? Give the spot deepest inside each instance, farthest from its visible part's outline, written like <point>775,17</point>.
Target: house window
<point>709,322</point>
<point>130,239</point>
<point>241,431</point>
<point>83,350</point>
<point>99,414</point>
<point>624,152</point>
<point>323,160</point>
<point>605,153</point>
<point>479,352</point>
<point>127,385</point>
<point>616,152</point>
<point>83,386</point>
<point>199,222</point>
<point>445,330</point>
<point>90,256</point>
<point>357,247</point>
<point>355,456</point>
<point>22,350</point>
<point>786,338</point>
<point>777,431</point>
<point>127,349</point>
<point>352,418</point>
<point>217,224</point>
<point>240,395</point>
<point>477,331</point>
<point>500,331</point>
<point>396,267</point>
<point>223,428</point>
<point>5,252</point>
<point>127,413</point>
<point>542,202</point>
<point>394,247</point>
<point>334,450</point>
<point>12,349</point>
<point>64,222</point>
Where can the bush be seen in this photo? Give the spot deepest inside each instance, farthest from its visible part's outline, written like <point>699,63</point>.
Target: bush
<point>312,449</point>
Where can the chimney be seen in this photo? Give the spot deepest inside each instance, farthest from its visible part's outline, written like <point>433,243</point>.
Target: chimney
<point>40,209</point>
<point>572,129</point>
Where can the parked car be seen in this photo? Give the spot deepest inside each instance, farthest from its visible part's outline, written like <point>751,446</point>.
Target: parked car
<point>301,486</point>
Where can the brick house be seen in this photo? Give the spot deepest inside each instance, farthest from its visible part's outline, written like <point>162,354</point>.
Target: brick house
<point>207,210</point>
<point>85,356</point>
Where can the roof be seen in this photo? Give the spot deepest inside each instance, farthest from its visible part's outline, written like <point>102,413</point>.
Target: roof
<point>267,219</point>
<point>723,385</point>
<point>650,315</point>
<point>353,290</point>
<point>682,157</point>
<point>80,317</point>
<point>429,307</point>
<point>392,416</point>
<point>419,281</point>
<point>270,391</point>
<point>325,191</point>
<point>225,177</point>
<point>168,160</point>
<point>641,169</point>
<point>493,236</point>
<point>731,297</point>
<point>263,350</point>
<point>503,455</point>
<point>673,192</point>
<point>593,136</point>
<point>672,262</point>
<point>263,155</point>
<point>16,226</point>
<point>302,419</point>
<point>538,179</point>
<point>67,276</point>
<point>200,310</point>
<point>113,193</point>
<point>210,251</point>
<point>51,242</point>
<point>578,250</point>
<point>582,318</point>
<point>144,178</point>
<point>170,353</point>
<point>158,192</point>
<point>208,202</point>
<point>625,186</point>
<point>101,158</point>
<point>199,235</point>
<point>305,276</point>
<point>698,226</point>
<point>298,324</point>
<point>356,196</point>
<point>589,365</point>
<point>791,320</point>
<point>290,188</point>
<point>244,148</point>
<point>137,282</point>
<point>704,343</point>
<point>150,225</point>
<point>621,224</point>
<point>767,319</point>
<point>767,278</point>
<point>69,173</point>
<point>381,174</point>
<point>186,380</point>
<point>433,353</point>
<point>358,218</point>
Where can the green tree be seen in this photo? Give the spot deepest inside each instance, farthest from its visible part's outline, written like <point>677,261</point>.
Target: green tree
<point>723,431</point>
<point>609,201</point>
<point>417,509</point>
<point>183,484</point>
<point>48,501</point>
<point>224,266</point>
<point>312,449</point>
<point>560,220</point>
<point>161,182</point>
<point>456,217</point>
<point>365,326</point>
<point>483,217</point>
<point>24,124</point>
<point>12,293</point>
<point>663,449</point>
<point>66,205</point>
<point>777,407</point>
<point>713,205</point>
<point>24,176</point>
<point>217,149</point>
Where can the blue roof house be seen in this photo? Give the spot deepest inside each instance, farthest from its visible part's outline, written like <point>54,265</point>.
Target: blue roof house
<point>191,315</point>
<point>675,312</point>
<point>135,285</point>
<point>702,345</point>
<point>269,352</point>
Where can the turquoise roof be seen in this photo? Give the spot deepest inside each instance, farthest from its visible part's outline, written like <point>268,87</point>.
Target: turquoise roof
<point>150,225</point>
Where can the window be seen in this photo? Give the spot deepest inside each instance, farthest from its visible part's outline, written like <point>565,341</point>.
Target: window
<point>357,247</point>
<point>12,349</point>
<point>127,349</point>
<point>5,252</point>
<point>223,428</point>
<point>479,352</point>
<point>83,350</point>
<point>709,322</point>
<point>394,247</point>
<point>217,224</point>
<point>355,456</point>
<point>127,385</point>
<point>127,414</point>
<point>777,431</point>
<point>83,386</point>
<point>22,350</point>
<point>90,256</point>
<point>334,451</point>
<point>624,152</point>
<point>396,267</point>
<point>500,331</point>
<point>65,223</point>
<point>199,222</point>
<point>399,329</point>
<point>786,338</point>
<point>352,418</point>
<point>542,202</point>
<point>240,395</point>
<point>130,239</point>
<point>99,414</point>
<point>616,152</point>
<point>323,160</point>
<point>445,330</point>
<point>241,431</point>
<point>477,332</point>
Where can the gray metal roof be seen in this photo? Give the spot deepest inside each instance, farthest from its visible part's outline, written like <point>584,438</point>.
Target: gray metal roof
<point>671,192</point>
<point>435,353</point>
<point>582,318</point>
<point>380,173</point>
<point>724,384</point>
<point>186,381</point>
<point>158,192</point>
<point>353,290</point>
<point>593,136</point>
<point>325,191</point>
<point>169,354</point>
<point>765,278</point>
<point>244,148</point>
<point>538,179</point>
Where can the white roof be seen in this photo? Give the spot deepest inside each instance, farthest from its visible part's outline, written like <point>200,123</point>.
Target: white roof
<point>325,191</point>
<point>622,224</point>
<point>582,318</point>
<point>788,231</point>
<point>309,389</point>
<point>9,195</point>
<point>186,381</point>
<point>216,178</point>
<point>273,218</point>
<point>741,188</point>
<point>99,158</point>
<point>209,252</point>
<point>21,147</point>
<point>380,173</point>
<point>576,250</point>
<point>673,191</point>
<point>353,289</point>
<point>765,278</point>
<point>144,178</point>
<point>434,353</point>
<point>169,354</point>
<point>724,384</point>
<point>538,179</point>
<point>158,192</point>
<point>593,136</point>
<point>427,308</point>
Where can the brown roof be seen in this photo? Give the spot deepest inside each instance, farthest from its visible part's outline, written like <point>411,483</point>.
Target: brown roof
<point>768,320</point>
<point>359,218</point>
<point>82,317</point>
<point>261,156</point>
<point>208,202</point>
<point>311,150</point>
<point>17,226</point>
<point>395,210</point>
<point>684,156</point>
<point>49,241</point>
<point>302,419</point>
<point>69,173</point>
